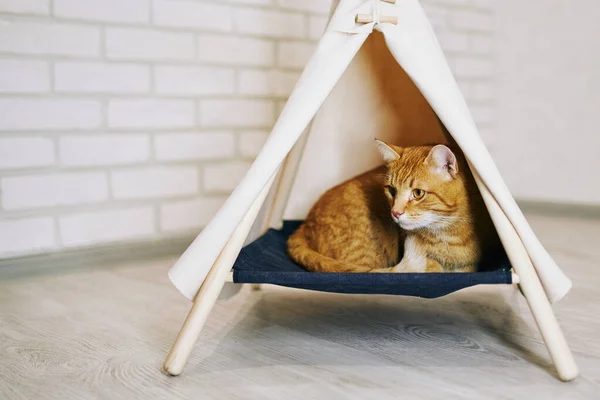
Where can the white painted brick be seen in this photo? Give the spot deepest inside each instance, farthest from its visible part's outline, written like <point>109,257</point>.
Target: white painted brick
<point>471,20</point>
<point>25,6</point>
<point>91,228</point>
<point>49,114</point>
<point>481,44</point>
<point>194,146</point>
<point>236,113</point>
<point>192,81</point>
<point>284,82</point>
<point>251,142</point>
<point>316,6</point>
<point>267,83</point>
<point>150,113</point>
<point>224,177</point>
<point>235,50</point>
<point>20,152</point>
<point>255,82</point>
<point>483,115</point>
<point>189,214</point>
<point>465,88</point>
<point>454,42</point>
<point>294,54</point>
<point>147,44</point>
<point>151,182</point>
<point>90,77</point>
<point>104,10</point>
<point>46,38</point>
<point>454,2</point>
<point>192,14</point>
<point>269,23</point>
<point>24,76</point>
<point>113,149</point>
<point>26,236</point>
<point>316,26</point>
<point>465,67</point>
<point>260,2</point>
<point>47,190</point>
<point>482,91</point>
<point>484,4</point>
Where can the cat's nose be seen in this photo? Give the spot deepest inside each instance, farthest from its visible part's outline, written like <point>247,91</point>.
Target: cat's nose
<point>397,214</point>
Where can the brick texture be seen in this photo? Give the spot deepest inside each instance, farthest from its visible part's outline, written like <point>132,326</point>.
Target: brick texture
<point>26,236</point>
<point>153,182</point>
<point>84,229</point>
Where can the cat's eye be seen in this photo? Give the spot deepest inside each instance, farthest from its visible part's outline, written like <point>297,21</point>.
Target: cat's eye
<point>391,190</point>
<point>418,194</point>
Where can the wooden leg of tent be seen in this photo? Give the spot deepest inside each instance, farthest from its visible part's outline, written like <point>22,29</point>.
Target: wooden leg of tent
<point>210,289</point>
<point>532,289</point>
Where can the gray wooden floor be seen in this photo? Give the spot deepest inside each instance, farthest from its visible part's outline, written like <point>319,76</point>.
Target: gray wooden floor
<point>104,332</point>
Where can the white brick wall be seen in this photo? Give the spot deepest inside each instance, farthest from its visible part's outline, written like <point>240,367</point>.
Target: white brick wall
<point>154,182</point>
<point>91,228</point>
<point>192,14</point>
<point>47,190</point>
<point>20,152</point>
<point>47,38</point>
<point>95,150</point>
<point>49,114</point>
<point>194,146</point>
<point>193,81</point>
<point>28,235</point>
<point>150,113</point>
<point>188,215</point>
<point>237,113</point>
<point>269,23</point>
<point>235,50</point>
<point>148,44</point>
<point>96,77</point>
<point>25,6</point>
<point>103,10</point>
<point>224,177</point>
<point>24,76</point>
<point>128,120</point>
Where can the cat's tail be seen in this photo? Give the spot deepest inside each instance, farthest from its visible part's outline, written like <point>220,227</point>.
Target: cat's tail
<point>301,252</point>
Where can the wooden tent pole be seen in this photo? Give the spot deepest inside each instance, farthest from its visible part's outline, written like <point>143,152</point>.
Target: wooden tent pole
<point>288,174</point>
<point>531,288</point>
<point>211,287</point>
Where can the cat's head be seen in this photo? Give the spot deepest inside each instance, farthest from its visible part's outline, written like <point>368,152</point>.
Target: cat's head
<point>423,185</point>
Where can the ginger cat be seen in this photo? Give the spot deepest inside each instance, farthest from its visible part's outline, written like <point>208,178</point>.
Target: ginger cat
<point>421,212</point>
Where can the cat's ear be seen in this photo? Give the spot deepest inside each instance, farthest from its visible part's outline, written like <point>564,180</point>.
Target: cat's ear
<point>388,152</point>
<point>442,160</point>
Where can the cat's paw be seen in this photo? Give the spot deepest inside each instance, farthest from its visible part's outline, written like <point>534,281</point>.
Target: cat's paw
<point>401,268</point>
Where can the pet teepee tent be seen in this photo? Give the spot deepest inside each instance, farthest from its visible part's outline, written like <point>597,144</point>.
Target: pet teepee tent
<point>378,71</point>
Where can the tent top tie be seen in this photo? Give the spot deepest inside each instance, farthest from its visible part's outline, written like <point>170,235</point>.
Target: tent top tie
<point>375,17</point>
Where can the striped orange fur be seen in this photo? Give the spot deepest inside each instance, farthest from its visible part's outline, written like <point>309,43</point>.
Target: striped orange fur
<point>421,212</point>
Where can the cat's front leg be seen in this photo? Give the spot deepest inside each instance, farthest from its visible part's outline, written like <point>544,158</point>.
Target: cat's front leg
<point>414,259</point>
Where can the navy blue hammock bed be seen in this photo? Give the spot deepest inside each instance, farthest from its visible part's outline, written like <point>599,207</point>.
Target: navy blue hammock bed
<point>265,260</point>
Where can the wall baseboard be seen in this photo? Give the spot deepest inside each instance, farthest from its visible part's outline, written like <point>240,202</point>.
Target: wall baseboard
<point>572,210</point>
<point>174,247</point>
<point>92,257</point>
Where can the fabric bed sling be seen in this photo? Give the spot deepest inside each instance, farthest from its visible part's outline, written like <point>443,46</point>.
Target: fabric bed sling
<point>266,261</point>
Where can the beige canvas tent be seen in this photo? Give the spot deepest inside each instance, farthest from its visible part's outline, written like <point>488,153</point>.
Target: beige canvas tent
<point>378,71</point>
